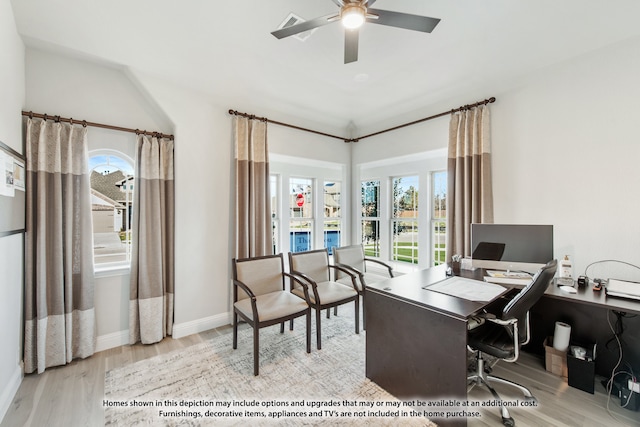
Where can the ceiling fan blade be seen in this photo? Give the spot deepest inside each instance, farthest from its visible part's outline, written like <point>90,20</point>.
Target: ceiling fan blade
<point>339,3</point>
<point>403,20</point>
<point>351,45</point>
<point>305,26</point>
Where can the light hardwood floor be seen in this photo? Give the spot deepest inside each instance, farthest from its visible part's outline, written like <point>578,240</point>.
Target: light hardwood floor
<point>72,395</point>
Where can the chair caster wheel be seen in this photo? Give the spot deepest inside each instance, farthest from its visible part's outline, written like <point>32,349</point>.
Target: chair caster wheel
<point>508,422</point>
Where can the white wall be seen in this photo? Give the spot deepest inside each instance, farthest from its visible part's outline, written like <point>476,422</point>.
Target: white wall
<point>12,88</point>
<point>565,152</point>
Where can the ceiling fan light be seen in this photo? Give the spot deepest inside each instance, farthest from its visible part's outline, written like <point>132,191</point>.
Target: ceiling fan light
<point>353,15</point>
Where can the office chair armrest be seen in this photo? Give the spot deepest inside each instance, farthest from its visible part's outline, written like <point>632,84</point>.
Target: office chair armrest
<point>505,322</point>
<point>305,287</point>
<point>384,264</point>
<point>511,324</point>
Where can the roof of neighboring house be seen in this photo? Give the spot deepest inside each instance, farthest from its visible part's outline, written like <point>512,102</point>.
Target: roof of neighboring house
<point>106,184</point>
<point>107,203</point>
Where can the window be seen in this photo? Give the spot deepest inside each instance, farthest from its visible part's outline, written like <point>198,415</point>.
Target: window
<point>275,219</point>
<point>439,217</point>
<point>111,206</point>
<point>332,214</point>
<point>404,221</point>
<point>300,214</point>
<point>370,217</point>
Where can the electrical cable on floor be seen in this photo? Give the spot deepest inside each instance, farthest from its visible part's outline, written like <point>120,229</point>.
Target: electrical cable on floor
<point>610,383</point>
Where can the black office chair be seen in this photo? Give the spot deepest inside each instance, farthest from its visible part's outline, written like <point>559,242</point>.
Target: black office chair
<point>502,337</point>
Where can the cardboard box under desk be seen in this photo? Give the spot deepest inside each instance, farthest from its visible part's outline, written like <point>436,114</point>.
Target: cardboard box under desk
<point>555,361</point>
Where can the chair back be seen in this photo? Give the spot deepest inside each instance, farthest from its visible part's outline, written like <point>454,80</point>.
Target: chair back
<point>520,305</point>
<point>261,274</point>
<point>352,256</point>
<point>314,264</point>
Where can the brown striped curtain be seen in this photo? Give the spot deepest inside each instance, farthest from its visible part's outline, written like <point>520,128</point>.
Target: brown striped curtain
<point>59,287</point>
<point>152,257</point>
<point>252,211</point>
<point>469,188</point>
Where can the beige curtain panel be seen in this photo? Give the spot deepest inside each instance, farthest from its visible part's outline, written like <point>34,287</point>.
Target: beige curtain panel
<point>59,289</point>
<point>152,257</point>
<point>252,210</point>
<point>469,188</point>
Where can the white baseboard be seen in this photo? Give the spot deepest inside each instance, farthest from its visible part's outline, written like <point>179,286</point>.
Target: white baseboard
<point>180,330</point>
<point>9,391</point>
<point>196,326</point>
<point>115,339</point>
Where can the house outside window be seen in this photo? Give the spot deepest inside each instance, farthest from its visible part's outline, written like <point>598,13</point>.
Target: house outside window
<point>439,217</point>
<point>404,221</point>
<point>332,214</point>
<point>112,186</point>
<point>301,219</point>
<point>370,217</point>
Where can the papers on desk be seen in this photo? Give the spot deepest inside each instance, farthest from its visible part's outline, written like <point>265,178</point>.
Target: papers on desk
<point>469,289</point>
<point>508,277</point>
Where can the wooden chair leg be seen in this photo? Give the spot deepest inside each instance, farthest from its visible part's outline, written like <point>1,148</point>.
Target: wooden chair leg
<point>335,310</point>
<point>318,328</point>
<point>308,330</point>
<point>357,301</point>
<point>328,313</point>
<point>256,347</point>
<point>291,325</point>
<point>282,328</point>
<point>235,330</point>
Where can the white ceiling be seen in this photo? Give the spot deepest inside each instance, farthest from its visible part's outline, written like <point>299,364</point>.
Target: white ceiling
<point>225,49</point>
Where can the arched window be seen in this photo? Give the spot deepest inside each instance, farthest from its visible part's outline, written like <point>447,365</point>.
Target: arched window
<point>112,183</point>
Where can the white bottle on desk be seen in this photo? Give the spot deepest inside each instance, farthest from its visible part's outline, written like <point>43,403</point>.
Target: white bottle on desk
<point>565,272</point>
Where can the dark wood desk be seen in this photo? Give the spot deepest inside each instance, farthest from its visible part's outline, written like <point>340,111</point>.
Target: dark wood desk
<point>416,338</point>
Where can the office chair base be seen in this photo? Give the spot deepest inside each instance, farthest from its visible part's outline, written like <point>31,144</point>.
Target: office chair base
<point>480,377</point>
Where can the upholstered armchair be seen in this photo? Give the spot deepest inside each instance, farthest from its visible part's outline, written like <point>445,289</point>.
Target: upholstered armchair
<point>313,268</point>
<point>353,259</point>
<point>261,300</point>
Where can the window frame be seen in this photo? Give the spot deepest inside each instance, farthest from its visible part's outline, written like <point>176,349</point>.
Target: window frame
<point>104,269</point>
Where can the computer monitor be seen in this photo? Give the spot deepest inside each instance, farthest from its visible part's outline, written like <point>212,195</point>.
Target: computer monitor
<point>515,247</point>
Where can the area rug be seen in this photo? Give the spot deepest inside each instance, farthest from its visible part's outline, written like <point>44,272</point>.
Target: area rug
<point>212,384</point>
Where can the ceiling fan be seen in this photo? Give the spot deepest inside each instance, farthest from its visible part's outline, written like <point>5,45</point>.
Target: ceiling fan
<point>353,14</point>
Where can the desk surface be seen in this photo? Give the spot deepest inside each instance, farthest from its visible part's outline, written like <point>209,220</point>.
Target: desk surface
<point>409,287</point>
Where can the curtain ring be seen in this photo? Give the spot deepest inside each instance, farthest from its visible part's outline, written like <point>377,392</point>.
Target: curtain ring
<point>84,123</point>
<point>31,115</point>
<point>45,117</point>
<point>71,121</point>
<point>56,119</point>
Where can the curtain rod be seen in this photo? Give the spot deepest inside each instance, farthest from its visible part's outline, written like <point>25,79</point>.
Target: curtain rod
<point>85,123</point>
<point>455,110</point>
<point>264,119</point>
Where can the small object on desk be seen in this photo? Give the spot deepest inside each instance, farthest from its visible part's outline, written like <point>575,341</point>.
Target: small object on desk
<point>568,289</point>
<point>583,281</point>
<point>564,281</point>
<point>597,285</point>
